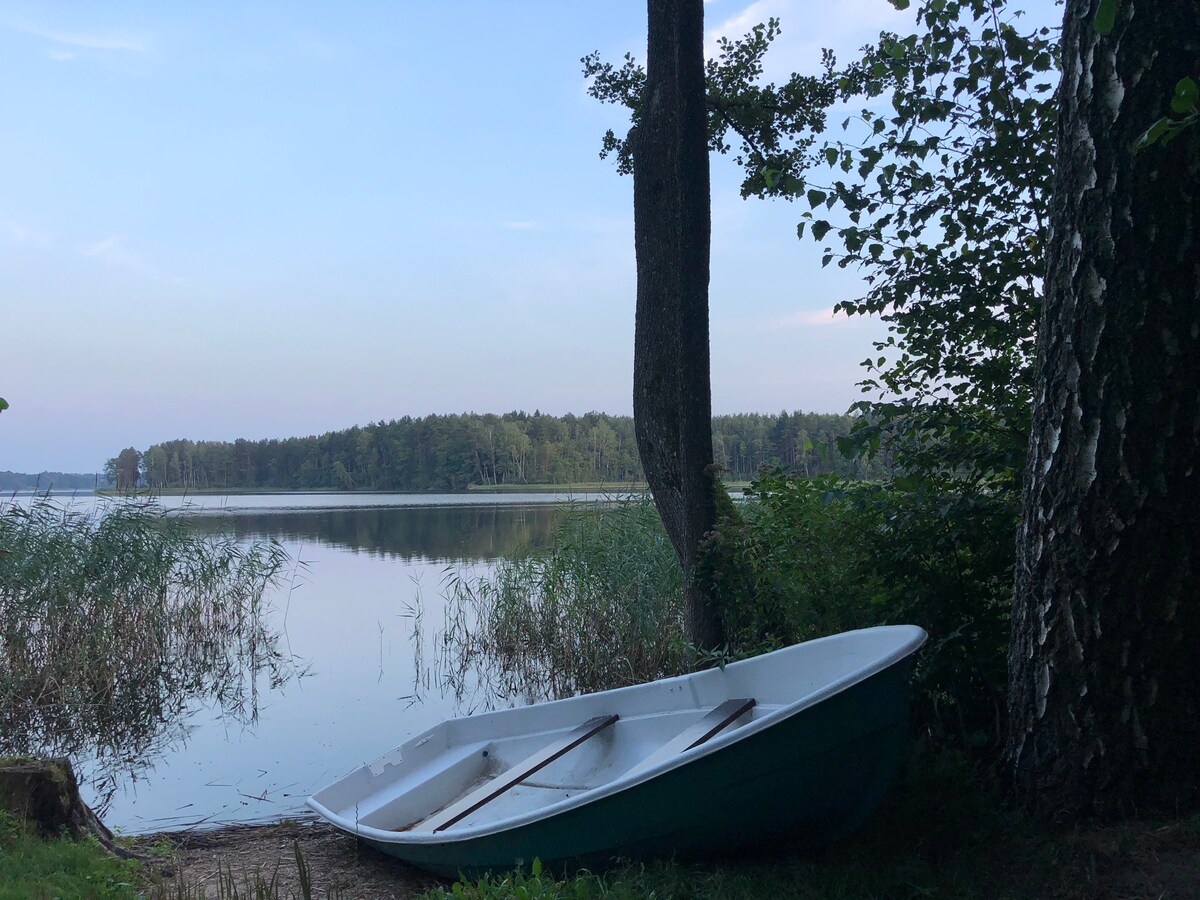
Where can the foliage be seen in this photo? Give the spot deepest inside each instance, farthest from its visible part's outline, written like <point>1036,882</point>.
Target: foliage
<point>31,868</point>
<point>453,452</point>
<point>124,470</point>
<point>821,556</point>
<point>938,193</point>
<point>763,120</point>
<point>599,608</point>
<point>1185,106</point>
<point>791,567</point>
<point>944,210</point>
<point>941,192</point>
<point>112,624</point>
<point>938,190</point>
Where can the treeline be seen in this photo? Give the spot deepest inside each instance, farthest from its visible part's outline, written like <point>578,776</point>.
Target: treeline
<point>47,481</point>
<point>453,452</point>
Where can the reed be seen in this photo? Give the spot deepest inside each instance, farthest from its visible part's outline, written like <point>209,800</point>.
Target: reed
<point>114,622</point>
<point>599,608</point>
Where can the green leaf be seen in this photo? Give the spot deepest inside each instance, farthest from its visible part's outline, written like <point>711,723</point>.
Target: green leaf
<point>799,234</point>
<point>831,155</point>
<point>1186,95</point>
<point>899,4</point>
<point>771,177</point>
<point>816,198</point>
<point>3,404</point>
<point>1152,134</point>
<point>820,228</point>
<point>1106,17</point>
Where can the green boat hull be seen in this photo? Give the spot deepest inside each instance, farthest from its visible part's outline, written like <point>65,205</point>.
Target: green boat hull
<point>810,779</point>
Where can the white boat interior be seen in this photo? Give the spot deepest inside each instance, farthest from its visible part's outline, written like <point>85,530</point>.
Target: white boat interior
<point>480,773</point>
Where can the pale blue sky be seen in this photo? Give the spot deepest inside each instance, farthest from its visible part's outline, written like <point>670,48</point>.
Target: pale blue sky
<point>232,220</point>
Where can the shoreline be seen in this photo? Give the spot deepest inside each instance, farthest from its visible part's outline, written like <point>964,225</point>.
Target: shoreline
<point>589,487</point>
<point>199,858</point>
<point>583,487</point>
<point>1138,858</point>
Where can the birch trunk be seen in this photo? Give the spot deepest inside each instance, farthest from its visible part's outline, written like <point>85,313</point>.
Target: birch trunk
<point>1104,671</point>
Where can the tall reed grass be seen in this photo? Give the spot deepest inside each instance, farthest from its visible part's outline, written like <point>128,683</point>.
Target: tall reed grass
<point>113,623</point>
<point>601,607</point>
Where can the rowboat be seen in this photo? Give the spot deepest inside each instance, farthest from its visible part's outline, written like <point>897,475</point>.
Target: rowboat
<point>799,744</point>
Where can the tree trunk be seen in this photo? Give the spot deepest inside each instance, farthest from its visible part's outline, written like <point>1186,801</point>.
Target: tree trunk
<point>672,402</point>
<point>1104,670</point>
<point>44,795</point>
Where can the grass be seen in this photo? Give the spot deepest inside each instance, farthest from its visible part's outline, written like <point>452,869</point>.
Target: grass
<point>32,869</point>
<point>941,834</point>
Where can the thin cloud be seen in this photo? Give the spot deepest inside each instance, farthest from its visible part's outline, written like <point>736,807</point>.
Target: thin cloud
<point>811,318</point>
<point>114,251</point>
<point>20,234</point>
<point>96,40</point>
<point>843,27</point>
<point>817,318</point>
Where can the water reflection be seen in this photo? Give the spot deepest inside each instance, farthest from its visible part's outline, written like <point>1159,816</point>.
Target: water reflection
<point>352,616</point>
<point>425,533</point>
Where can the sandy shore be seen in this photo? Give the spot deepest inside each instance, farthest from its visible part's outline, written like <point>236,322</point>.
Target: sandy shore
<point>340,866</point>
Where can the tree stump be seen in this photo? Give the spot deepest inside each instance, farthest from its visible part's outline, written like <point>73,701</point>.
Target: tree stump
<point>44,795</point>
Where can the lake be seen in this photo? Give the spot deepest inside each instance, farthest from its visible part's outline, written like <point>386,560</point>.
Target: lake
<point>367,564</point>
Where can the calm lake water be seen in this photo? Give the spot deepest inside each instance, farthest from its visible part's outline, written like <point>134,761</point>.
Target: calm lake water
<point>369,561</point>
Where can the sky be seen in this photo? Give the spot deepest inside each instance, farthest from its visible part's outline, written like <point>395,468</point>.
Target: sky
<point>227,220</point>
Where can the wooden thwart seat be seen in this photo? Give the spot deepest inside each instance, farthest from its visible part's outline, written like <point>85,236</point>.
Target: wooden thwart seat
<point>514,775</point>
<point>712,724</point>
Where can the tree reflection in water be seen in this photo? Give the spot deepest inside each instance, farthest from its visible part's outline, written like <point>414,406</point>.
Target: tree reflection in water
<point>458,534</point>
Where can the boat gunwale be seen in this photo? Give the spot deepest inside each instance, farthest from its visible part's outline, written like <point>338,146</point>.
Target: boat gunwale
<point>916,638</point>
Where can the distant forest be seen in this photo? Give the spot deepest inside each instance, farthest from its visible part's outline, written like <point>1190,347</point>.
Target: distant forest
<point>454,452</point>
<point>45,481</point>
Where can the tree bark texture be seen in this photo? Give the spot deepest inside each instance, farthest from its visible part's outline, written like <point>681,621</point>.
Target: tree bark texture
<point>43,794</point>
<point>1104,670</point>
<point>672,403</point>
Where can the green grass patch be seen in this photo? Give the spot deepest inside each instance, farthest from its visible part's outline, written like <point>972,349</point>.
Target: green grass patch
<point>31,869</point>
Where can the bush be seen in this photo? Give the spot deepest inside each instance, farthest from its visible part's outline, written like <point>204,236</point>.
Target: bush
<point>805,558</point>
<point>828,555</point>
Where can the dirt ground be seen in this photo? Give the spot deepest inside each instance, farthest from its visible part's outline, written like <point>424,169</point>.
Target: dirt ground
<point>1122,862</point>
<point>341,867</point>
